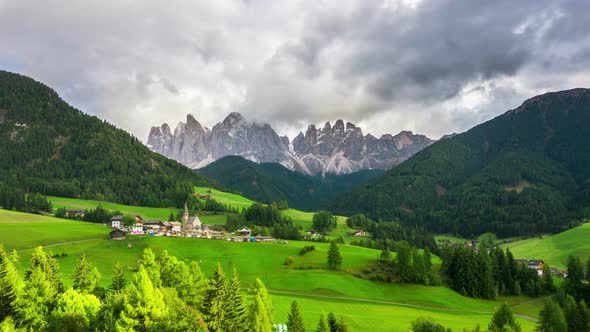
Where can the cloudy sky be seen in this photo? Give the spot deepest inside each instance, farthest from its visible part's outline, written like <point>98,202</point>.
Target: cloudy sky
<point>431,66</point>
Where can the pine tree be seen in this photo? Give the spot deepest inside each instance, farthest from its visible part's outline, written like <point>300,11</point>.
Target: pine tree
<point>146,304</point>
<point>86,277</point>
<point>10,285</point>
<point>214,302</point>
<point>37,301</point>
<point>332,322</point>
<point>427,258</point>
<point>502,319</point>
<point>260,309</point>
<point>404,262</point>
<point>118,283</point>
<point>547,281</point>
<point>148,261</point>
<point>171,217</point>
<point>236,314</point>
<point>295,320</point>
<point>334,257</point>
<point>551,319</point>
<point>49,266</point>
<point>323,324</point>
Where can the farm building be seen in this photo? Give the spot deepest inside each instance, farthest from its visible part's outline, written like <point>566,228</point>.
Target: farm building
<point>535,264</point>
<point>117,234</point>
<point>360,232</point>
<point>245,231</point>
<point>176,226</point>
<point>74,213</point>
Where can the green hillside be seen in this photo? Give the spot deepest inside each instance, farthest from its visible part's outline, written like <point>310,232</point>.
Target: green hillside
<point>271,182</point>
<point>49,147</point>
<point>555,249</point>
<point>363,303</point>
<point>524,172</point>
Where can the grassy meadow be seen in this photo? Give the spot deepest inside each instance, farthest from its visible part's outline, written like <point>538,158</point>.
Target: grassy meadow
<point>555,249</point>
<point>224,197</point>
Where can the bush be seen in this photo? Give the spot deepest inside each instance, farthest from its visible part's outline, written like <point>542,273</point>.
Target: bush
<point>306,249</point>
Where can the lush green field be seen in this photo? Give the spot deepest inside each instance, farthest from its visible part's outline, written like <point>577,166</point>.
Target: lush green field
<point>555,249</point>
<point>81,204</point>
<point>23,231</point>
<point>224,197</point>
<point>377,317</point>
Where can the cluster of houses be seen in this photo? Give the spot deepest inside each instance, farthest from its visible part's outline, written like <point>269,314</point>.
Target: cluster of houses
<point>190,227</point>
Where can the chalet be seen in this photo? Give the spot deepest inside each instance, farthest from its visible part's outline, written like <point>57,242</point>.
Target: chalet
<point>153,226</point>
<point>137,228</point>
<point>360,232</point>
<point>535,264</point>
<point>116,221</point>
<point>117,234</point>
<point>259,238</point>
<point>166,226</point>
<point>74,213</point>
<point>245,231</point>
<point>176,226</point>
<point>313,233</point>
<point>206,197</point>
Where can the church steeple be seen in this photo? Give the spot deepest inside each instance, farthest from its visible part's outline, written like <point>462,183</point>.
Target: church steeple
<point>185,217</point>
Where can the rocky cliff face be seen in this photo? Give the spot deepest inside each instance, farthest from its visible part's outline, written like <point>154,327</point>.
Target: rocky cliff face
<point>337,149</point>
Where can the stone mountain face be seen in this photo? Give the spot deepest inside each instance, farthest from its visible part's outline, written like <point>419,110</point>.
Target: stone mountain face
<point>337,149</point>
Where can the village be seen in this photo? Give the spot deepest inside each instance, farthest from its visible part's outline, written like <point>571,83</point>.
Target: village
<point>191,227</point>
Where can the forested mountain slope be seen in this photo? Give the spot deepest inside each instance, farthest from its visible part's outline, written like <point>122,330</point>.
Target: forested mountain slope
<point>524,172</point>
<point>271,182</point>
<point>47,146</point>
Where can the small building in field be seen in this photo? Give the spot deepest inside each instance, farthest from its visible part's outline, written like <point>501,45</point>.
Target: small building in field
<point>245,231</point>
<point>153,226</point>
<point>117,234</point>
<point>535,264</point>
<point>116,221</point>
<point>74,213</point>
<point>166,226</point>
<point>137,228</point>
<point>176,226</point>
<point>360,232</point>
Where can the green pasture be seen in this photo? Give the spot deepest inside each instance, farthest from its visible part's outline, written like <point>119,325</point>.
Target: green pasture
<point>22,231</point>
<point>82,204</point>
<point>224,197</point>
<point>360,316</point>
<point>554,249</point>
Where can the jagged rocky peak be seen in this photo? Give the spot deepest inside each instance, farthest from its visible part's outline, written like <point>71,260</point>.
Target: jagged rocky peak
<point>232,119</point>
<point>339,148</point>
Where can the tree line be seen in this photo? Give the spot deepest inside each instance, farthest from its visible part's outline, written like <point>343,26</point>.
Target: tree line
<point>162,294</point>
<point>18,200</point>
<point>486,273</point>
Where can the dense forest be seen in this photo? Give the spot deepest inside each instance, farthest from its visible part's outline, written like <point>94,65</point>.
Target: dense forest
<point>162,294</point>
<point>524,172</point>
<point>49,147</point>
<point>271,182</point>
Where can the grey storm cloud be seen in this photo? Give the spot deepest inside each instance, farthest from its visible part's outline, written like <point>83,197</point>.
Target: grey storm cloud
<point>431,66</point>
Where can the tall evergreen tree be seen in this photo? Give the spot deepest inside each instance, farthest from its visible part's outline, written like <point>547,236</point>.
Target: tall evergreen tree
<point>332,322</point>
<point>214,304</point>
<point>547,280</point>
<point>334,257</point>
<point>404,261</point>
<point>10,285</point>
<point>260,308</point>
<point>86,277</point>
<point>119,281</point>
<point>427,258</point>
<point>146,304</point>
<point>502,319</point>
<point>236,314</point>
<point>323,324</point>
<point>49,266</point>
<point>551,319</point>
<point>295,320</point>
<point>37,301</point>
<point>148,260</point>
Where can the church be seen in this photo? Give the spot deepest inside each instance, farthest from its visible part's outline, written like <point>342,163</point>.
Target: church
<point>190,224</point>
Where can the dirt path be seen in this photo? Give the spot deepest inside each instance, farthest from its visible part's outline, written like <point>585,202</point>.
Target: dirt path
<point>398,304</point>
<point>63,244</point>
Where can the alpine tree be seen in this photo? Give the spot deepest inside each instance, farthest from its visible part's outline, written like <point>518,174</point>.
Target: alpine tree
<point>323,324</point>
<point>74,312</point>
<point>295,320</point>
<point>86,277</point>
<point>236,314</point>
<point>148,261</point>
<point>260,308</point>
<point>146,304</point>
<point>10,285</point>
<point>49,265</point>
<point>213,306</point>
<point>37,300</point>
<point>334,257</point>
<point>551,319</point>
<point>426,325</point>
<point>503,319</point>
<point>119,281</point>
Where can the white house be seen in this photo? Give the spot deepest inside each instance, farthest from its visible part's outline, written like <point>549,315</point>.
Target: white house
<point>176,226</point>
<point>116,221</point>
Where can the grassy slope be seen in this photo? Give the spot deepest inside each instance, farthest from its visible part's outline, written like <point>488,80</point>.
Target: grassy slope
<point>256,260</point>
<point>555,249</point>
<point>22,231</point>
<point>224,197</point>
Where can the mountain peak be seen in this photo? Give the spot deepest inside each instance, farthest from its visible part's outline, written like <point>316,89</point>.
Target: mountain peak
<point>232,119</point>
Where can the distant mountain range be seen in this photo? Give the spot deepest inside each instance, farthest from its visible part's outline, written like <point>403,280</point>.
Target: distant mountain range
<point>524,172</point>
<point>47,146</point>
<point>337,149</point>
<point>272,182</point>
